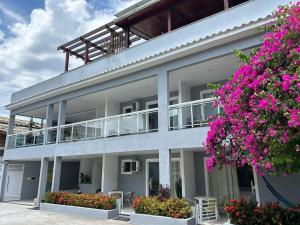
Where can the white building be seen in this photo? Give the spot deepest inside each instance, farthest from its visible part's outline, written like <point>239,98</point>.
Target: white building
<point>135,114</point>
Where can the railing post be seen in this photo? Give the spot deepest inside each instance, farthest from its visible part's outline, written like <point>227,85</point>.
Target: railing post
<point>85,135</point>
<point>16,141</point>
<point>72,133</point>
<point>24,142</point>
<point>118,131</point>
<point>137,122</point>
<point>192,116</point>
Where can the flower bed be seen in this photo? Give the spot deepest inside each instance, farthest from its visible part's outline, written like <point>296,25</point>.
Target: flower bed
<point>97,201</point>
<point>174,208</point>
<point>242,212</point>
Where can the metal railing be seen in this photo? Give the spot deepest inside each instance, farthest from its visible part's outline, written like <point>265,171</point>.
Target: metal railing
<point>192,114</point>
<point>183,115</point>
<point>124,124</point>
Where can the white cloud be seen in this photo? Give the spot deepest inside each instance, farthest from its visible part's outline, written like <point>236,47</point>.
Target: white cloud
<point>11,14</point>
<point>30,56</point>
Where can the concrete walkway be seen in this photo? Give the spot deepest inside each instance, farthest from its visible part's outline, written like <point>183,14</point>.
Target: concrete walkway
<point>22,213</point>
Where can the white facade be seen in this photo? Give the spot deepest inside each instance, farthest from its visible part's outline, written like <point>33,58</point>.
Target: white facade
<point>149,104</point>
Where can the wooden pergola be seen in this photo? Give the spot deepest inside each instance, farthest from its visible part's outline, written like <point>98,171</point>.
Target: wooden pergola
<point>107,39</point>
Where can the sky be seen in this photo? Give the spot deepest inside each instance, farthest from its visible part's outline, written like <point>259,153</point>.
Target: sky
<point>31,30</point>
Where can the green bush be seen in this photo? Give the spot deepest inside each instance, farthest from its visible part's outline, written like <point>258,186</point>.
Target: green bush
<point>244,212</point>
<point>172,207</point>
<point>97,201</point>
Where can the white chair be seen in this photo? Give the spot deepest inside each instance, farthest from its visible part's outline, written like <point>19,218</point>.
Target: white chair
<point>206,210</point>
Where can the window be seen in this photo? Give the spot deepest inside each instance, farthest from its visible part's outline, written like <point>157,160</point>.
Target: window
<point>130,166</point>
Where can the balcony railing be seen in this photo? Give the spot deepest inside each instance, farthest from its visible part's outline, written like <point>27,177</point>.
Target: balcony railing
<point>124,124</point>
<point>183,115</point>
<point>192,114</point>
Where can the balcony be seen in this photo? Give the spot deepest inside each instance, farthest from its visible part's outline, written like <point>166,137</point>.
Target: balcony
<point>124,124</point>
<point>181,116</point>
<point>192,114</point>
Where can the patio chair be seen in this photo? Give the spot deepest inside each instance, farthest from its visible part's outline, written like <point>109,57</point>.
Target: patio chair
<point>128,197</point>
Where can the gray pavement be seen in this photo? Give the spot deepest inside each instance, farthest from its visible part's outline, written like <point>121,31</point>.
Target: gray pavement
<point>23,213</point>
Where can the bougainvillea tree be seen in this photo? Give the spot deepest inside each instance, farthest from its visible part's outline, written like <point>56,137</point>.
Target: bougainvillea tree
<point>260,122</point>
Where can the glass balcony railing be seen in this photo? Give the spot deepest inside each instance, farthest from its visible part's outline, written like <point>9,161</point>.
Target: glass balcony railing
<point>124,124</point>
<point>192,114</point>
<point>183,115</point>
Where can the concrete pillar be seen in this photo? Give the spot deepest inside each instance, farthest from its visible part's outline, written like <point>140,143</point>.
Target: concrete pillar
<point>163,101</point>
<point>61,117</point>
<point>165,167</point>
<point>49,120</point>
<point>42,180</point>
<point>56,174</point>
<point>184,95</point>
<point>96,175</point>
<point>110,172</point>
<point>10,128</point>
<point>187,170</point>
<point>3,182</point>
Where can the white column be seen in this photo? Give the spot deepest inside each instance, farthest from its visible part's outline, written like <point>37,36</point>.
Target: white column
<point>42,180</point>
<point>184,95</point>
<point>61,117</point>
<point>165,168</point>
<point>163,101</point>
<point>96,174</point>
<point>10,128</point>
<point>49,120</point>
<point>187,170</point>
<point>110,172</point>
<point>56,174</point>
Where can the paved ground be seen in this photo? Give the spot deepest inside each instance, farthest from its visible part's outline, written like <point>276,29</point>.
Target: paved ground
<point>24,214</point>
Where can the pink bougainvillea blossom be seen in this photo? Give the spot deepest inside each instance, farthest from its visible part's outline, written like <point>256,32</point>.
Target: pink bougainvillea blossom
<point>260,122</point>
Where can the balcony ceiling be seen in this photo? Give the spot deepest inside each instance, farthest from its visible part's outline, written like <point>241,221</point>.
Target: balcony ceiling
<point>152,21</point>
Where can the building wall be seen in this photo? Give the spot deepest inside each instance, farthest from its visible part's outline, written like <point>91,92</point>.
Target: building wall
<point>134,182</point>
<point>287,186</point>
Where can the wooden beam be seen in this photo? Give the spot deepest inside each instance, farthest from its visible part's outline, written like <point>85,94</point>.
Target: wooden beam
<point>67,61</point>
<point>94,45</point>
<point>73,53</point>
<point>86,35</point>
<point>169,19</point>
<point>86,53</point>
<point>226,4</point>
<point>127,36</point>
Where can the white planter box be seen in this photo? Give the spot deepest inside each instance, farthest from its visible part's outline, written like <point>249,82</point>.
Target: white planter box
<point>80,211</point>
<point>143,219</point>
<point>228,223</point>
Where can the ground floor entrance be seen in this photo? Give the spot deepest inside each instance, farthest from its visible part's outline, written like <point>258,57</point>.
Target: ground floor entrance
<point>13,184</point>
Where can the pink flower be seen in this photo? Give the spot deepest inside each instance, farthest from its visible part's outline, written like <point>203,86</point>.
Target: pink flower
<point>272,132</point>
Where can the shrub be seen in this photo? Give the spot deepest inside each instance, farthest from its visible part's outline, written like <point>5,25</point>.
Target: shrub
<point>243,212</point>
<point>175,208</point>
<point>98,201</point>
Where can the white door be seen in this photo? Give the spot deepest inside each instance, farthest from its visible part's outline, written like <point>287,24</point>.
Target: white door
<point>14,180</point>
<point>1,175</point>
